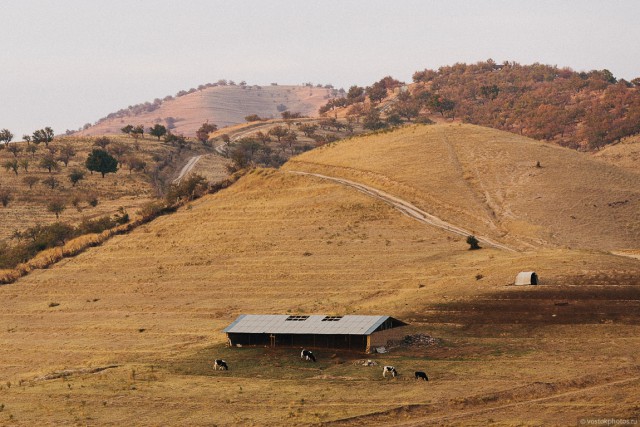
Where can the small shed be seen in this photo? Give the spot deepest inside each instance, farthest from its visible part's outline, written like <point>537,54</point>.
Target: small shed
<point>526,278</point>
<point>349,332</point>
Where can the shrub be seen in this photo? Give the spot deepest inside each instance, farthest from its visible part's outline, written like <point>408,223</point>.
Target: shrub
<point>473,242</point>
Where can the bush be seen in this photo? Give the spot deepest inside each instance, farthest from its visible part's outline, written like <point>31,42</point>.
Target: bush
<point>473,243</point>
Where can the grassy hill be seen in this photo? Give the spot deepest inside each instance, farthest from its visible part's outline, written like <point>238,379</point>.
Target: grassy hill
<point>220,105</point>
<point>136,323</point>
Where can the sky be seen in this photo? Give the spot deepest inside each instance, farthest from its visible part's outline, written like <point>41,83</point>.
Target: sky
<point>65,63</point>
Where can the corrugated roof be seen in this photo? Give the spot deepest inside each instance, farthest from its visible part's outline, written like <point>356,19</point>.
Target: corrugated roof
<point>278,324</point>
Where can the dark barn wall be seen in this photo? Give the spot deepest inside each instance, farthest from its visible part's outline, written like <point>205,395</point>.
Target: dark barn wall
<point>344,342</point>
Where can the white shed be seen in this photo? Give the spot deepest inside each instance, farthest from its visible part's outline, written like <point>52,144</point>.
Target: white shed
<point>526,278</point>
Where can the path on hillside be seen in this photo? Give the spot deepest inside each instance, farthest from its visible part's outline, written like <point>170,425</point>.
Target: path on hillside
<point>187,168</point>
<point>408,209</point>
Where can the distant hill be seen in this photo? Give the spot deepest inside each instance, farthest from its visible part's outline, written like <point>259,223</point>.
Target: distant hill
<point>220,105</point>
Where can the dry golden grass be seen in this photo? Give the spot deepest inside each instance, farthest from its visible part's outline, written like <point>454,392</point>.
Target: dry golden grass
<point>224,106</point>
<point>625,154</point>
<point>487,181</point>
<point>154,303</point>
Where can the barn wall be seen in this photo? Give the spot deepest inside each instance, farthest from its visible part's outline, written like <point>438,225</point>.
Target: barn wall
<point>345,342</point>
<point>380,338</point>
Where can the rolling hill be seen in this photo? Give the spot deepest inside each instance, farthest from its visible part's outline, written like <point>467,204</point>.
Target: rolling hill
<point>220,105</point>
<point>127,331</point>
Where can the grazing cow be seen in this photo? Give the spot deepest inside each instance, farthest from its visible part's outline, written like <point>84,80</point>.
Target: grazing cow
<point>421,376</point>
<point>307,355</point>
<point>220,364</point>
<point>391,370</point>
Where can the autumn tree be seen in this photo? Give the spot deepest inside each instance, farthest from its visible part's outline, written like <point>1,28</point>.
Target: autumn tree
<point>202,134</point>
<point>101,161</point>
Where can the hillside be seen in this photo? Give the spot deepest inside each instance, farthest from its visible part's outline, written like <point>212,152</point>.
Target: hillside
<point>487,181</point>
<point>626,154</point>
<point>220,105</point>
<point>135,323</point>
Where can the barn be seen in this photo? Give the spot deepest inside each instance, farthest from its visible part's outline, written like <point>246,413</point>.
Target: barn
<point>349,332</point>
<point>526,278</point>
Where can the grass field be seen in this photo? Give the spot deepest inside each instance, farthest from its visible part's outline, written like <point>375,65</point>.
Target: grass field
<point>150,306</point>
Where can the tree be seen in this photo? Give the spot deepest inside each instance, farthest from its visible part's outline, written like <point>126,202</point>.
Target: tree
<point>355,94</point>
<point>372,120</point>
<point>253,118</point>
<point>24,164</point>
<point>51,182</point>
<point>75,176</point>
<point>278,131</point>
<point>308,129</point>
<point>289,139</point>
<point>11,165</point>
<point>43,135</point>
<point>26,138</point>
<point>49,162</point>
<point>377,92</point>
<point>5,136</point>
<point>473,243</point>
<point>102,142</point>
<point>136,164</point>
<point>158,131</point>
<point>137,132</point>
<point>127,129</point>
<point>262,137</point>
<point>5,196</point>
<point>14,149</point>
<point>56,206</point>
<point>67,152</point>
<point>101,161</point>
<point>32,149</point>
<point>202,134</point>
<point>30,180</point>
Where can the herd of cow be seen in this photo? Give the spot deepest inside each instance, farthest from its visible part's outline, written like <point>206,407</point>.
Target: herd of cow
<point>310,357</point>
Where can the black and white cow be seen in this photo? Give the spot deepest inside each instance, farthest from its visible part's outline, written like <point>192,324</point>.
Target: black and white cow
<point>307,355</point>
<point>421,376</point>
<point>391,370</point>
<point>220,364</point>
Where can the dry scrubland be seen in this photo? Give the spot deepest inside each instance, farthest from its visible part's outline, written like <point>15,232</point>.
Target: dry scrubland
<point>153,303</point>
<point>222,105</point>
<point>122,189</point>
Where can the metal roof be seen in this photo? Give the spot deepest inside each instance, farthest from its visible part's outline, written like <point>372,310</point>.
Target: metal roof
<point>313,324</point>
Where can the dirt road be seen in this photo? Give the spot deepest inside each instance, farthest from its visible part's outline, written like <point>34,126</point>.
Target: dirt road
<point>187,168</point>
<point>408,209</point>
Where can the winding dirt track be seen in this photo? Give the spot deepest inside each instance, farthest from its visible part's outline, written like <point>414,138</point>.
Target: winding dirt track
<point>187,168</point>
<point>408,209</point>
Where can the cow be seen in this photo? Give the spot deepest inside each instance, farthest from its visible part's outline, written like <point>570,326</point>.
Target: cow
<point>421,376</point>
<point>220,364</point>
<point>307,355</point>
<point>391,370</point>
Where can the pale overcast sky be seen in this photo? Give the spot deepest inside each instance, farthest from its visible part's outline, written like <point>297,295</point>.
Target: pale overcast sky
<point>68,62</point>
